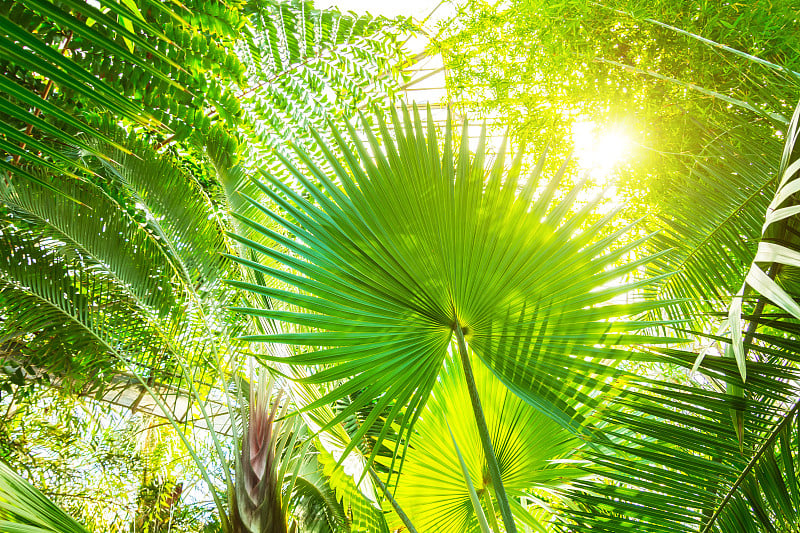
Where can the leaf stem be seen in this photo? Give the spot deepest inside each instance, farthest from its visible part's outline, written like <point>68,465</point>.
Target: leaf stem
<point>483,431</point>
<point>487,493</point>
<point>396,506</point>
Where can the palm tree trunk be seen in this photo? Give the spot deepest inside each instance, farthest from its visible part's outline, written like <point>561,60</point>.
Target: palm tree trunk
<point>483,431</point>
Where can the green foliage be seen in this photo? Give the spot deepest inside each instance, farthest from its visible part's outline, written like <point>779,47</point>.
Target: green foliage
<point>152,65</point>
<point>118,272</point>
<point>91,458</point>
<point>533,452</point>
<point>23,509</point>
<point>307,66</point>
<point>538,66</point>
<point>136,271</point>
<point>365,248</point>
<point>397,249</point>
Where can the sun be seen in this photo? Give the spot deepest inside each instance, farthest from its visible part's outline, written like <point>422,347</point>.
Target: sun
<point>600,151</point>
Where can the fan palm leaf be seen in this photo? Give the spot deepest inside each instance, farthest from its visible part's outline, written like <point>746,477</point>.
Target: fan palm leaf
<point>527,443</point>
<point>406,246</point>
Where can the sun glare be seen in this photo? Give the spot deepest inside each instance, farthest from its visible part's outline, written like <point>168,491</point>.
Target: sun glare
<point>599,151</point>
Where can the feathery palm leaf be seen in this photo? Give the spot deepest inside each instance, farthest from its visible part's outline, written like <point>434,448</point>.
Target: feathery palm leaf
<point>732,177</point>
<point>166,67</point>
<point>162,257</point>
<point>711,247</point>
<point>306,66</point>
<point>675,461</point>
<point>778,247</point>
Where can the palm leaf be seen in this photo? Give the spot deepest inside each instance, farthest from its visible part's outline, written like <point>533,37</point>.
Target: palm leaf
<point>23,509</point>
<point>778,247</point>
<point>399,248</point>
<point>674,461</point>
<point>314,501</point>
<point>365,515</point>
<point>167,67</point>
<point>710,248</point>
<point>528,446</point>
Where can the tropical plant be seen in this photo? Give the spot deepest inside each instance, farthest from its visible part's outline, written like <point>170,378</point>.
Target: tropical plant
<point>383,293</point>
<point>534,454</point>
<point>655,68</point>
<point>118,274</point>
<point>26,510</point>
<point>388,276</point>
<point>168,64</point>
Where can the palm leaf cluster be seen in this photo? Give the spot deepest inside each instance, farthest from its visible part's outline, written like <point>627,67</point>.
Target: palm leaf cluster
<point>119,272</point>
<point>381,257</point>
<point>664,456</point>
<point>306,66</point>
<point>152,65</point>
<point>716,455</point>
<point>534,453</point>
<point>135,234</point>
<point>134,286</point>
<point>382,263</point>
<point>424,306</point>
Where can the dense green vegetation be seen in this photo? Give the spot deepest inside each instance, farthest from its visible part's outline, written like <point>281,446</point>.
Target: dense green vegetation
<point>245,287</point>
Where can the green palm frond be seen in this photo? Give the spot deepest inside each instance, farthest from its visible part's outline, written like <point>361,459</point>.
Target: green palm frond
<point>392,251</point>
<point>532,450</point>
<point>59,75</point>
<point>162,254</point>
<point>710,248</point>
<point>365,515</point>
<point>129,285</point>
<point>178,211</point>
<point>675,461</point>
<point>23,509</point>
<point>73,317</point>
<point>306,66</point>
<point>731,173</point>
<point>314,501</point>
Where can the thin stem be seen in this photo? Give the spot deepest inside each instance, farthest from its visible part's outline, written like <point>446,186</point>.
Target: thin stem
<point>487,493</point>
<point>483,431</point>
<point>396,506</point>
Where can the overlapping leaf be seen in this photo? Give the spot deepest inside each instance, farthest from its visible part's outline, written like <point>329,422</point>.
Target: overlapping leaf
<point>388,251</point>
<point>528,446</point>
<point>23,509</point>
